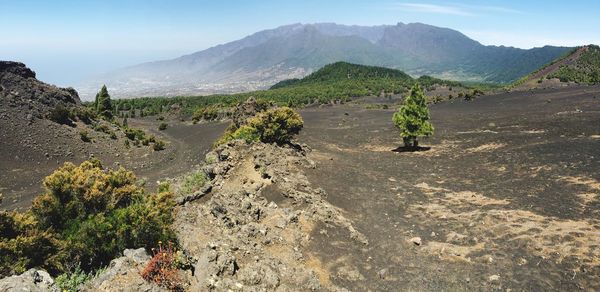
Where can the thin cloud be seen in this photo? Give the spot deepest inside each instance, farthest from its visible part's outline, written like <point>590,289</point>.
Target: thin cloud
<point>482,8</point>
<point>455,9</point>
<point>431,8</point>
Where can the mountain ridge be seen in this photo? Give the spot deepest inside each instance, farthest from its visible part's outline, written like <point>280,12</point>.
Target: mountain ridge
<point>294,51</point>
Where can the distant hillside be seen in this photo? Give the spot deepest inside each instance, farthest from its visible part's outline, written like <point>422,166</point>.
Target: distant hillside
<point>372,79</point>
<point>337,82</point>
<point>584,69</point>
<point>342,71</point>
<point>294,51</point>
<point>580,65</point>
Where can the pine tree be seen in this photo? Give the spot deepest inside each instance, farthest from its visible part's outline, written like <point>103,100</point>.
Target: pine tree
<point>412,118</point>
<point>103,103</point>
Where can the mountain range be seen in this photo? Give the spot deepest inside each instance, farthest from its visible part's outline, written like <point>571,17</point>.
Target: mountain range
<point>294,51</point>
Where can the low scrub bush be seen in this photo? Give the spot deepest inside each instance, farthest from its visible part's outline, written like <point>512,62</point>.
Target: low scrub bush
<point>158,145</point>
<point>208,113</point>
<point>85,114</point>
<point>163,267</point>
<point>193,182</point>
<point>278,125</point>
<point>133,134</point>
<point>61,114</point>
<point>101,128</point>
<point>162,126</point>
<point>85,136</point>
<point>87,215</point>
<point>71,281</point>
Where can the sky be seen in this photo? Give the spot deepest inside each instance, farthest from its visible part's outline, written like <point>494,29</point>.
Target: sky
<point>67,41</point>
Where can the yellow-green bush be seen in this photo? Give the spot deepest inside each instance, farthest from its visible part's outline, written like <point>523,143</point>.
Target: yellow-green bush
<point>277,125</point>
<point>87,215</point>
<point>208,113</point>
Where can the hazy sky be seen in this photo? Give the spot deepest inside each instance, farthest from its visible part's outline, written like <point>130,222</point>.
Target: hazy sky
<point>65,41</point>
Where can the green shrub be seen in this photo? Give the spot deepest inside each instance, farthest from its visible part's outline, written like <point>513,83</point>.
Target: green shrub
<point>277,125</point>
<point>87,215</point>
<point>158,145</point>
<point>102,128</point>
<point>162,126</point>
<point>193,182</point>
<point>84,114</point>
<point>246,133</point>
<point>84,135</point>
<point>61,114</point>
<point>208,113</point>
<point>133,134</point>
<point>71,281</point>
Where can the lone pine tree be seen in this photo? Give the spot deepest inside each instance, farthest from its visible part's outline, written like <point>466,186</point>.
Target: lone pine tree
<point>412,118</point>
<point>103,103</point>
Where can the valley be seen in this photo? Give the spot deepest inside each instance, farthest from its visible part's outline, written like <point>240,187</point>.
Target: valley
<point>304,157</point>
<point>505,196</point>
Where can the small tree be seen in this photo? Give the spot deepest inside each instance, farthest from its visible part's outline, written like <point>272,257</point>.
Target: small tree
<point>412,118</point>
<point>103,103</point>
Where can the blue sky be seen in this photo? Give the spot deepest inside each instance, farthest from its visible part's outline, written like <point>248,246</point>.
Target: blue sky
<point>66,41</point>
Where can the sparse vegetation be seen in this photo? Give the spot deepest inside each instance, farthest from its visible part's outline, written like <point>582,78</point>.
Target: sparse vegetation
<point>412,118</point>
<point>158,145</point>
<point>585,70</point>
<point>277,125</point>
<point>162,268</point>
<point>162,126</point>
<point>84,114</point>
<point>84,136</point>
<point>208,113</point>
<point>193,182</point>
<point>87,215</point>
<point>61,114</point>
<point>71,281</point>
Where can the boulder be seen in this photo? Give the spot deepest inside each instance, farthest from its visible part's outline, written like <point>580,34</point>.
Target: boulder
<point>32,280</point>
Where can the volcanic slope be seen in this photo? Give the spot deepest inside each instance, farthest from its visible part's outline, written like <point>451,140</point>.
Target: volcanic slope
<point>32,146</point>
<point>579,66</point>
<point>506,198</point>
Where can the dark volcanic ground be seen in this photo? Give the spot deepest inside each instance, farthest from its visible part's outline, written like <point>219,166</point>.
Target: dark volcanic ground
<point>507,197</point>
<point>25,163</point>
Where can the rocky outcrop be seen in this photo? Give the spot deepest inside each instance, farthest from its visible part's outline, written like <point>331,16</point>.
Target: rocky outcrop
<point>248,229</point>
<point>253,229</point>
<point>16,68</point>
<point>32,280</point>
<point>123,274</point>
<point>19,90</point>
<point>246,110</point>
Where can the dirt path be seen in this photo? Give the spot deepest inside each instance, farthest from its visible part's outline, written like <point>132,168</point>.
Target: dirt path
<point>508,196</point>
<point>187,145</point>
